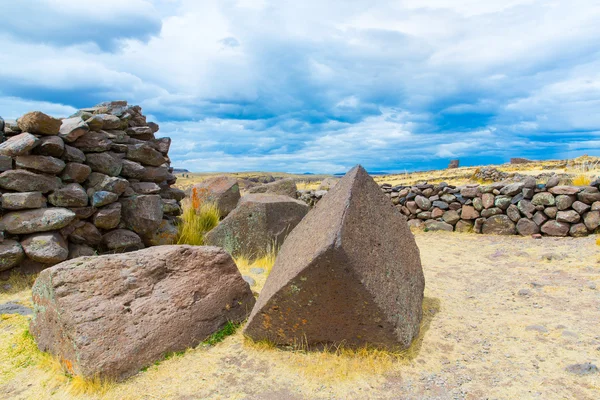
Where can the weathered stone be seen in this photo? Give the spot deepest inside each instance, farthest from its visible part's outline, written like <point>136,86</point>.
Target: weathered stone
<point>592,220</point>
<point>331,252</point>
<point>18,145</point>
<point>171,207</point>
<point>93,142</point>
<point>570,216</point>
<point>543,199</point>
<point>451,217</point>
<point>463,226</point>
<point>528,193</point>
<point>488,200</point>
<point>86,233</point>
<point>5,163</point>
<point>512,189</point>
<point>416,224</point>
<point>434,226</point>
<point>27,181</point>
<point>224,192</point>
<point>83,212</point>
<point>440,204</point>
<point>142,214</point>
<point>478,225</point>
<point>513,213</point>
<point>162,144</point>
<point>539,218</point>
<point>105,163</point>
<point>555,228</point>
<point>588,197</point>
<point>73,154</point>
<point>580,207</point>
<point>489,212</point>
<point>72,129</point>
<point>499,225</point>
<point>424,215</point>
<point>156,174</point>
<point>46,247</point>
<point>108,217</point>
<point>75,172</point>
<point>72,195</point>
<point>564,202</point>
<point>52,146</point>
<point>502,202</point>
<point>15,308</point>
<point>552,182</point>
<point>527,227</point>
<point>470,192</point>
<point>94,123</point>
<point>145,188</point>
<point>103,198</point>
<point>478,203</point>
<point>40,220</point>
<point>44,164</point>
<point>39,123</point>
<point>436,213</point>
<point>166,233</point>
<point>551,212</point>
<point>423,203</point>
<point>11,254</point>
<point>80,250</point>
<point>564,190</point>
<point>122,240</point>
<point>145,154</point>
<point>100,182</point>
<point>133,170</point>
<point>145,304</point>
<point>328,183</point>
<point>20,201</point>
<point>578,230</point>
<point>284,187</point>
<point>109,121</point>
<point>260,222</point>
<point>595,206</point>
<point>526,208</point>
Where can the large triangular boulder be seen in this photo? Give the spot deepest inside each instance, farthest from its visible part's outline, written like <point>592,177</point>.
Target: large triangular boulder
<point>350,273</point>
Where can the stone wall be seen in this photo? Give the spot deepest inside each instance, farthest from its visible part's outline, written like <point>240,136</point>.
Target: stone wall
<point>96,182</point>
<point>505,208</point>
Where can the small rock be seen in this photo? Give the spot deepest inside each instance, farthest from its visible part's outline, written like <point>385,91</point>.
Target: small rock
<point>14,308</point>
<point>582,369</point>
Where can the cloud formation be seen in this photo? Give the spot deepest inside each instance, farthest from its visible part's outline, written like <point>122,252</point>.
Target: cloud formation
<point>314,86</point>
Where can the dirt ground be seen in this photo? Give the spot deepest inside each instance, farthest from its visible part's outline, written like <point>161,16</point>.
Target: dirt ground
<point>504,319</point>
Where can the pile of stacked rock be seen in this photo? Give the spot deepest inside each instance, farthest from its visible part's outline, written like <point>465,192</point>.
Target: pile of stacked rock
<point>98,181</point>
<point>505,208</point>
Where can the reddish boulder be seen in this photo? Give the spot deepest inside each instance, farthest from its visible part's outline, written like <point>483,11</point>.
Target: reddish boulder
<point>221,190</point>
<point>109,316</point>
<point>349,273</point>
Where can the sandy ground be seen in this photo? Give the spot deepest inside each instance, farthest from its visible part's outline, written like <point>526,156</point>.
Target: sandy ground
<point>504,318</point>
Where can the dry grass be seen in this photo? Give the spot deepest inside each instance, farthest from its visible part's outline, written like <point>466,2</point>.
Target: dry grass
<point>581,180</point>
<point>196,221</point>
<point>308,185</point>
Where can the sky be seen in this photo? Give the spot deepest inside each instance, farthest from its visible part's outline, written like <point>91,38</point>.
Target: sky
<point>314,86</point>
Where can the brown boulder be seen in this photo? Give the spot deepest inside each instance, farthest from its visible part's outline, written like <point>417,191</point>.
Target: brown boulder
<point>526,227</point>
<point>73,154</point>
<point>220,190</point>
<point>284,187</point>
<point>72,129</point>
<point>46,247</point>
<point>105,163</point>
<point>109,316</point>
<point>349,273</point>
<point>75,172</point>
<point>11,254</point>
<point>40,220</point>
<point>145,154</point>
<point>142,214</point>
<point>72,195</point>
<point>39,123</point>
<point>18,145</point>
<point>44,164</point>
<point>20,201</point>
<point>498,225</point>
<point>555,228</point>
<point>260,222</point>
<point>122,240</point>
<point>167,233</point>
<point>26,181</point>
<point>93,142</point>
<point>52,146</point>
<point>108,217</point>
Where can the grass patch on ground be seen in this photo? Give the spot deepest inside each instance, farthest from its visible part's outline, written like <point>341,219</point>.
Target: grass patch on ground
<point>196,220</point>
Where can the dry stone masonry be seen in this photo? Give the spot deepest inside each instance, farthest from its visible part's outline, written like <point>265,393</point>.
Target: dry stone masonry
<point>98,181</point>
<point>505,208</point>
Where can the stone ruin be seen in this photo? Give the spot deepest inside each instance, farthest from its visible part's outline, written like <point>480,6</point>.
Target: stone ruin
<point>454,164</point>
<point>349,273</point>
<point>96,182</point>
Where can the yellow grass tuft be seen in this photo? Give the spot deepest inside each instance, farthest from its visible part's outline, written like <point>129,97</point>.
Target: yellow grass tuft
<point>196,222</point>
<point>598,242</point>
<point>582,180</point>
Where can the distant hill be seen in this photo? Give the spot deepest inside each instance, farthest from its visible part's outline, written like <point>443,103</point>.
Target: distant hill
<point>179,170</point>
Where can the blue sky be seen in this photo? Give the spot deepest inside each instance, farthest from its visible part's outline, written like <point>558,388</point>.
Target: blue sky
<point>313,86</point>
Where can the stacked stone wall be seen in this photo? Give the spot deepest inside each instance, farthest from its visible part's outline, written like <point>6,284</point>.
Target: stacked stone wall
<point>96,182</point>
<point>507,208</point>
